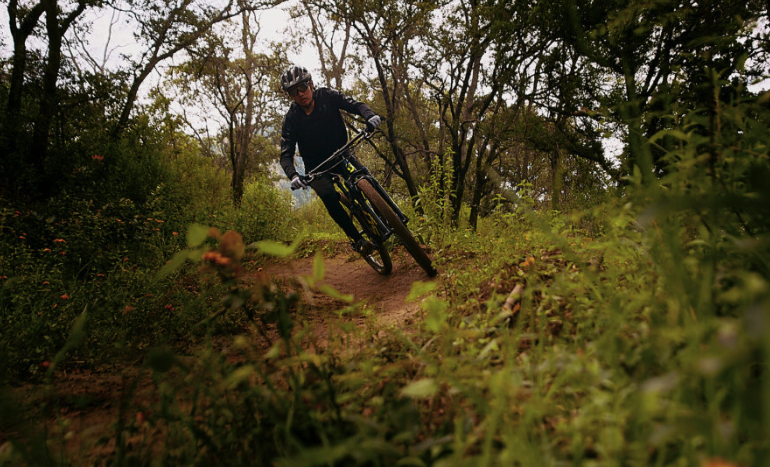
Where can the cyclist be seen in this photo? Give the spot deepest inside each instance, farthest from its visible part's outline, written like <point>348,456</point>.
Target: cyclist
<point>314,123</point>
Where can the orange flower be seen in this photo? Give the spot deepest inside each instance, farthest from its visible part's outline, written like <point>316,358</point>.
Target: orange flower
<point>46,249</point>
<point>97,157</point>
<point>63,253</point>
<point>175,233</point>
<point>59,240</point>
<point>65,297</point>
<point>158,221</point>
<point>717,462</point>
<point>46,283</point>
<point>216,258</point>
<point>169,307</point>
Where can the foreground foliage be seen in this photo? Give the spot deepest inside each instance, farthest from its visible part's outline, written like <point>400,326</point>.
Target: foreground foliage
<point>633,333</point>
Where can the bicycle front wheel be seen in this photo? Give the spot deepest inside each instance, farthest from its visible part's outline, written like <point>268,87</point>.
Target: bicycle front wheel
<point>378,258</point>
<point>398,227</point>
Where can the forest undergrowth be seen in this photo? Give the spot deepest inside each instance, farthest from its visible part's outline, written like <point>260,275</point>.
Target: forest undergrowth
<point>633,331</point>
<point>539,345</point>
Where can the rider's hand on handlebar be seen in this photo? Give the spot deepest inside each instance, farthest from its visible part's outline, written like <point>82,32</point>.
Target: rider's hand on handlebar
<point>373,123</point>
<point>297,183</point>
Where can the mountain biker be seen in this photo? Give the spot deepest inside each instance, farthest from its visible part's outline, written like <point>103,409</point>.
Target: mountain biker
<point>314,123</point>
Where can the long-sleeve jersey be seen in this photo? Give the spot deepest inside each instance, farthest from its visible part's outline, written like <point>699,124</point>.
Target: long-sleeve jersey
<point>319,134</point>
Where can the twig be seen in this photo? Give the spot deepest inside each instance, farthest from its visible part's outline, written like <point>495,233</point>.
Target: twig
<point>513,298</point>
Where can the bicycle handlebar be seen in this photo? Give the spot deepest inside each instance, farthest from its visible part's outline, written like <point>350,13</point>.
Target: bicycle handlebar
<point>352,142</point>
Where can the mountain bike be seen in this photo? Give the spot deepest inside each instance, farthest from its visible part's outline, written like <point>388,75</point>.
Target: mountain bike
<point>370,207</point>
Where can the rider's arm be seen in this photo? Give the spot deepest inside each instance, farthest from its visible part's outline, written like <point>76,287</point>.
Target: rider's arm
<point>288,146</point>
<point>351,105</point>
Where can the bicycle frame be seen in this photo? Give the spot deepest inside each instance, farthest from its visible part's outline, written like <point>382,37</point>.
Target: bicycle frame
<point>349,187</point>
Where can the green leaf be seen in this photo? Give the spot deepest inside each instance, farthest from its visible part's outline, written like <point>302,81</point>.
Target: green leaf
<point>196,235</point>
<point>420,389</point>
<point>437,314</point>
<point>333,293</point>
<point>420,289</point>
<point>319,270</point>
<point>238,376</point>
<point>678,134</point>
<point>490,347</point>
<point>273,248</point>
<point>176,261</point>
<point>76,337</point>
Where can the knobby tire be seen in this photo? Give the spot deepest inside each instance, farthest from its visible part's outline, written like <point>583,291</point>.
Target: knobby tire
<point>379,258</point>
<point>400,229</point>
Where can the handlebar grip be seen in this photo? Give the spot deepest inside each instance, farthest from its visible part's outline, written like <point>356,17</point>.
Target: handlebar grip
<point>305,179</point>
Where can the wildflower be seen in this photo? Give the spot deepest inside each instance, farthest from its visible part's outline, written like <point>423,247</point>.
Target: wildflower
<point>63,253</point>
<point>65,297</point>
<point>99,274</point>
<point>169,307</point>
<point>46,283</point>
<point>59,240</point>
<point>45,365</point>
<point>158,221</point>
<point>23,238</point>
<point>125,259</point>
<point>128,309</point>
<point>216,258</point>
<point>717,462</point>
<point>97,157</point>
<point>175,233</point>
<point>47,250</point>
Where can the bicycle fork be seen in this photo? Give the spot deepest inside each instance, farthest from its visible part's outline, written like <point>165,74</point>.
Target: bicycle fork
<point>376,224</point>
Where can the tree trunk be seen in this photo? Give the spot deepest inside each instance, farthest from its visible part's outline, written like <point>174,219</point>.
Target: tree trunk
<point>556,179</point>
<point>13,120</point>
<point>49,100</point>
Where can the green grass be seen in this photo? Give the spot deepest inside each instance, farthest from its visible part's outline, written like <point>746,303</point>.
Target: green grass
<point>622,353</point>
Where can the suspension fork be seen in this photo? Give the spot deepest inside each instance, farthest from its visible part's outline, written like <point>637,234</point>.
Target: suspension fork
<point>363,173</point>
<point>349,194</point>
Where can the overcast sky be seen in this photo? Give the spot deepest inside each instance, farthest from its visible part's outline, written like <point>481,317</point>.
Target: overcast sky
<point>272,23</point>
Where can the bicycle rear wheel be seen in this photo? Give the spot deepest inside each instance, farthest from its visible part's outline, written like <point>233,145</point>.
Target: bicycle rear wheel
<point>400,229</point>
<point>378,258</point>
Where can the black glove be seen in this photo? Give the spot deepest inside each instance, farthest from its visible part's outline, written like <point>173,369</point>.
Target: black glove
<point>297,183</point>
<point>373,123</point>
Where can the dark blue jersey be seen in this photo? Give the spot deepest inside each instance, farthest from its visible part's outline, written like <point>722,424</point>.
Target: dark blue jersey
<point>319,134</point>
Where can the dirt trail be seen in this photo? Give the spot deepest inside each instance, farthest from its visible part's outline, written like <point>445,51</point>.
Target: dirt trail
<point>385,296</point>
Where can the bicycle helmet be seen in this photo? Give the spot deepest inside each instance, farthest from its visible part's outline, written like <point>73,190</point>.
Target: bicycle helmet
<point>293,76</point>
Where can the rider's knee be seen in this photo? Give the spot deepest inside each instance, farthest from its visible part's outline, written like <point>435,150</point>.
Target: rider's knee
<point>331,196</point>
